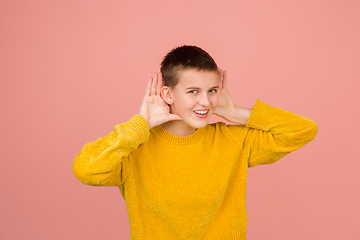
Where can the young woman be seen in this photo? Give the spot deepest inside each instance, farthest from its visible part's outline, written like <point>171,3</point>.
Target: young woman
<point>181,177</point>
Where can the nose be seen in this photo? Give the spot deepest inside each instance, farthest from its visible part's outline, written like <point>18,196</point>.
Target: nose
<point>204,100</point>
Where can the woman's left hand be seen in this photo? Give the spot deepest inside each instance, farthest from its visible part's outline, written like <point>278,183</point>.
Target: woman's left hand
<point>225,105</point>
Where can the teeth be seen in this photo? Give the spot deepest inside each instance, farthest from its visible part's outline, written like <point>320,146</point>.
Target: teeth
<point>201,112</point>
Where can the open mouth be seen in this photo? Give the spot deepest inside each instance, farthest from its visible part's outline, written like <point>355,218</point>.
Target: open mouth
<point>201,114</point>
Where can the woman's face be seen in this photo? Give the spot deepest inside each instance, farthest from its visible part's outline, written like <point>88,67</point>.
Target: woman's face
<point>195,97</point>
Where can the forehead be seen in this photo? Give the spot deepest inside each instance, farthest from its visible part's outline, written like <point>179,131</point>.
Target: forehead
<point>196,78</point>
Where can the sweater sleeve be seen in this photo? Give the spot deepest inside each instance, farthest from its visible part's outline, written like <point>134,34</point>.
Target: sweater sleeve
<point>274,132</point>
<point>105,162</point>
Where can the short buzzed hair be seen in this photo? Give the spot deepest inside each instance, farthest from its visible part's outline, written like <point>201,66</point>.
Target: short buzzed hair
<point>182,58</point>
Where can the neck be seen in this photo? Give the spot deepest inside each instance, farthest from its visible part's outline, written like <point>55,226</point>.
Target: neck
<point>178,128</point>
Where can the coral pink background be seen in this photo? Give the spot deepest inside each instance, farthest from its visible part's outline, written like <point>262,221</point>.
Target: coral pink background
<point>71,70</point>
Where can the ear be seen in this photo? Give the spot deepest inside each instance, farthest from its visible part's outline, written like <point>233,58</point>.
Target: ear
<point>166,95</point>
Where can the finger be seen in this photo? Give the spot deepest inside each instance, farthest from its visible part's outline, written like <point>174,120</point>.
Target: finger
<point>221,78</point>
<point>148,89</point>
<point>225,80</point>
<point>172,117</point>
<point>159,84</point>
<point>153,85</point>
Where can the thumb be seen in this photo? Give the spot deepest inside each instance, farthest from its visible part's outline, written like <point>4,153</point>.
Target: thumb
<point>172,117</point>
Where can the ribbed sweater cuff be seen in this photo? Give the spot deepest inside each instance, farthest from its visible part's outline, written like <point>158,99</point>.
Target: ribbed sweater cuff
<point>260,116</point>
<point>139,125</point>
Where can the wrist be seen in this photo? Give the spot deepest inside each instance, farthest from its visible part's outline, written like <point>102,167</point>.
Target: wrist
<point>146,118</point>
<point>239,115</point>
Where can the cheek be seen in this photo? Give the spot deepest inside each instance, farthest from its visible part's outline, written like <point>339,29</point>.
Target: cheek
<point>184,103</point>
<point>214,101</point>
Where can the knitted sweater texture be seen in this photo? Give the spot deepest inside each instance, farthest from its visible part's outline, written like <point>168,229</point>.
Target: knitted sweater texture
<point>191,187</point>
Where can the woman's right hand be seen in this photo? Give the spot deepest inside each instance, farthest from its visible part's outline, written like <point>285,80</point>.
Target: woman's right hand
<point>153,108</point>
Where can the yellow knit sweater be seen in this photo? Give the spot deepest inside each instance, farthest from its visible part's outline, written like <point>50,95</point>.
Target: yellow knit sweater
<point>190,187</point>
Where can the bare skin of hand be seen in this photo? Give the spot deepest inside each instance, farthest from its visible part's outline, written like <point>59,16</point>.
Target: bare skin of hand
<point>153,108</point>
<point>225,104</point>
<point>226,107</point>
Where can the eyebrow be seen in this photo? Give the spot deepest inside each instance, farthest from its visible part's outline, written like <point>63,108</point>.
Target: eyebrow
<point>197,88</point>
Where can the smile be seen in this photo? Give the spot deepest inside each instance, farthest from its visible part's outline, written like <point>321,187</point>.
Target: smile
<point>201,114</point>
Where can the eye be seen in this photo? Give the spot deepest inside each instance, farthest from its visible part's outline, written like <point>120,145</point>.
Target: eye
<point>193,91</point>
<point>213,90</point>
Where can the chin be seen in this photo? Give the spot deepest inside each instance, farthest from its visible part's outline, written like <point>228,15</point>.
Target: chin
<point>200,124</point>
<point>195,122</point>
